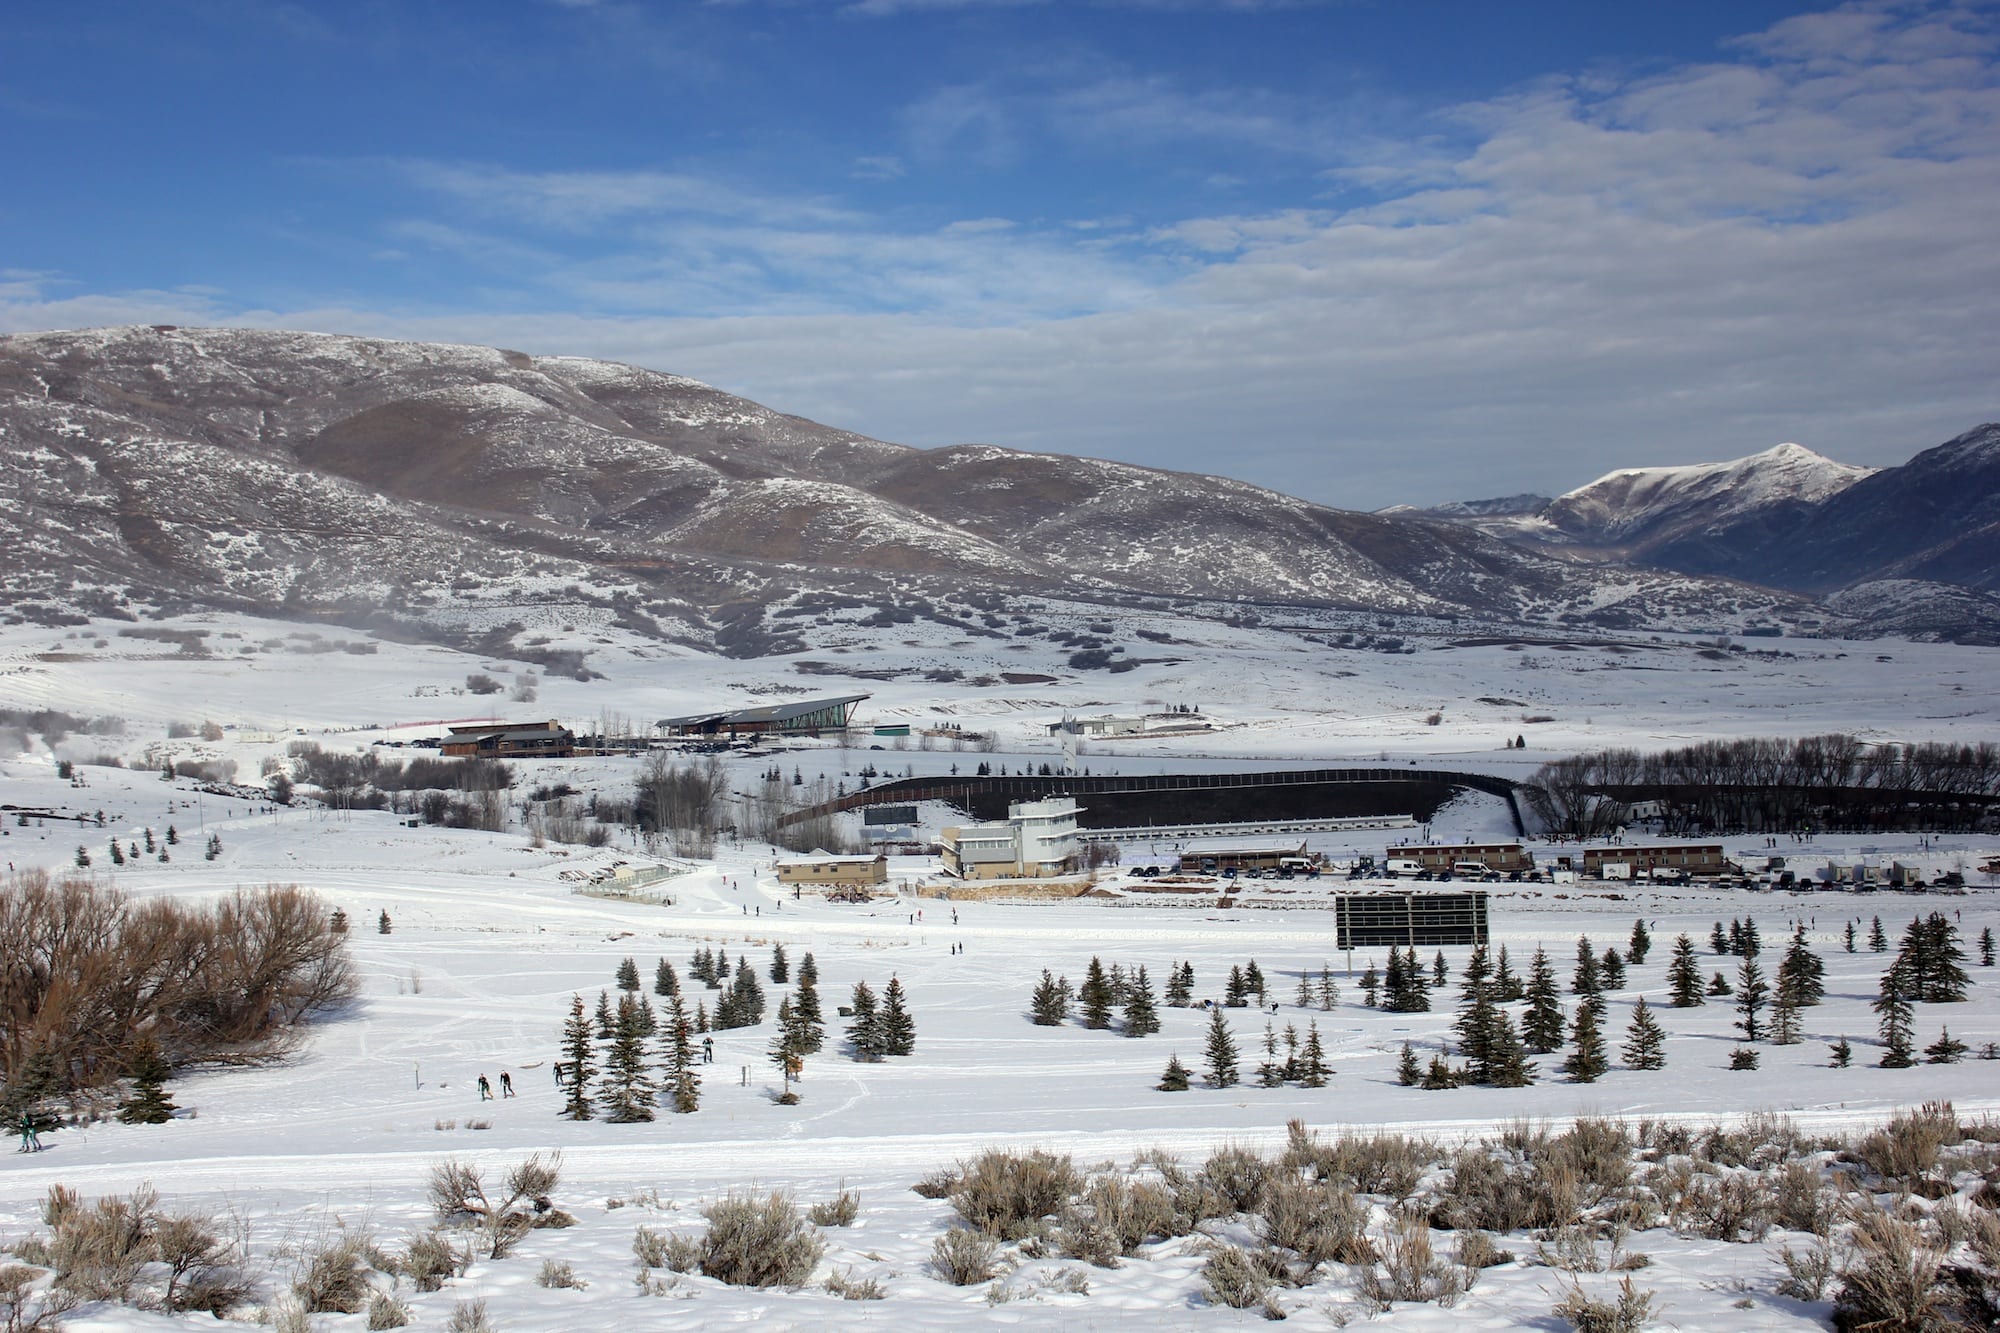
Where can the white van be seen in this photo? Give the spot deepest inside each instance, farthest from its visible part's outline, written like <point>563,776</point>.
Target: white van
<point>1399,865</point>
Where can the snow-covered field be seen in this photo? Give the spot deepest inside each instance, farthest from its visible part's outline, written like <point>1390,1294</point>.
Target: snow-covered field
<point>489,941</point>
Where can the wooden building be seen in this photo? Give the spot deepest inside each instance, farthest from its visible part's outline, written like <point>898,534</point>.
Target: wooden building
<point>1704,858</point>
<point>1504,857</point>
<point>509,740</point>
<point>830,871</point>
<point>1214,856</point>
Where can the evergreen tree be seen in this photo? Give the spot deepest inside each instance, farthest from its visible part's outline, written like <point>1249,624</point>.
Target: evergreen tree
<point>1801,974</point>
<point>1843,1054</point>
<point>1613,970</point>
<point>1142,1017</point>
<point>808,969</point>
<point>606,1023</point>
<point>1477,1016</point>
<point>1718,943</point>
<point>173,836</point>
<point>1743,1057</point>
<point>148,1103</point>
<point>1094,997</point>
<point>1176,1077</point>
<point>1439,1075</point>
<point>628,975</point>
<point>1719,985</point>
<point>1850,937</point>
<point>787,1050</point>
<point>1180,987</point>
<point>805,1004</point>
<point>1220,1052</point>
<point>864,1033</point>
<point>1329,993</point>
<point>1507,1063</point>
<point>1253,981</point>
<point>682,1086</point>
<point>1419,982</point>
<point>1751,943</point>
<point>1270,1073</point>
<point>1312,1059</point>
<point>1049,1006</point>
<point>648,1021</point>
<point>1641,944</point>
<point>1507,986</point>
<point>1371,985</point>
<point>1784,1021</point>
<point>1542,1024</point>
<point>1304,998</point>
<point>1932,962</point>
<point>382,923</point>
<point>1407,1071</point>
<point>1892,1011</point>
<point>747,994</point>
<point>1645,1044</point>
<point>1439,972</point>
<point>1588,978</point>
<point>1586,1057</point>
<point>1878,939</point>
<point>1945,1050</point>
<point>1684,976</point>
<point>1236,988</point>
<point>1291,1052</point>
<point>1986,947</point>
<point>701,1021</point>
<point>1751,992</point>
<point>899,1030</point>
<point>628,1091</point>
<point>117,853</point>
<point>579,1055</point>
<point>665,983</point>
<point>781,967</point>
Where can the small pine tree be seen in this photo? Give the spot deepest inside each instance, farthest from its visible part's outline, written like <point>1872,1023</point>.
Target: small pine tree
<point>747,994</point>
<point>1986,947</point>
<point>1743,1057</point>
<point>82,857</point>
<point>1784,1022</point>
<point>787,1051</point>
<point>682,1084</point>
<point>1640,945</point>
<point>1440,973</point>
<point>1801,973</point>
<point>1542,1024</point>
<point>1329,993</point>
<point>1850,937</point>
<point>1049,1006</point>
<point>1408,1073</point>
<point>1718,942</point>
<point>1270,1071</point>
<point>1253,981</point>
<point>1586,1058</point>
<point>1371,986</point>
<point>628,975</point>
<point>1843,1054</point>
<point>781,967</point>
<point>1751,992</point>
<point>1613,970</point>
<point>628,1090</point>
<point>1440,1075</point>
<point>148,1103</point>
<point>899,1030</point>
<point>665,983</point>
<point>1588,978</point>
<point>1219,1054</point>
<point>1312,1059</point>
<point>1645,1044</point>
<point>1684,976</point>
<point>1094,997</point>
<point>1945,1050</point>
<point>579,1058</point>
<point>606,1023</point>
<point>1892,1010</point>
<point>808,969</point>
<point>1878,939</point>
<point>1142,1017</point>
<point>1507,987</point>
<point>173,836</point>
<point>117,853</point>
<point>1180,987</point>
<point>864,1033</point>
<point>382,923</point>
<point>1719,985</point>
<point>1175,1079</point>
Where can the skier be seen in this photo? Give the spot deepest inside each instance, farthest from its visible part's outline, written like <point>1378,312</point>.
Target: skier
<point>506,1084</point>
<point>485,1089</point>
<point>31,1141</point>
<point>708,1050</point>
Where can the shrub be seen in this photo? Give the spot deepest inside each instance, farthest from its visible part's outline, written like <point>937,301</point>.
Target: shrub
<point>481,683</point>
<point>459,1198</point>
<point>1320,1222</point>
<point>758,1242</point>
<point>849,1288</point>
<point>1238,1175</point>
<point>1891,1281</point>
<point>554,1274</point>
<point>430,1257</point>
<point>1410,1269</point>
<point>1113,1217</point>
<point>963,1256</point>
<point>468,1317</point>
<point>1807,1273</point>
<point>333,1275</point>
<point>1010,1195</point>
<point>839,1211</point>
<point>1628,1313</point>
<point>385,1311</point>
<point>1908,1148</point>
<point>25,1308</point>
<point>1232,1278</point>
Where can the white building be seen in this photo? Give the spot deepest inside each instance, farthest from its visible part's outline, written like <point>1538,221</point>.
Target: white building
<point>1036,838</point>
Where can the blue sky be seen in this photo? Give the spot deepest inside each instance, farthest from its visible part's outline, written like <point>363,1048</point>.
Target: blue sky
<point>1363,252</point>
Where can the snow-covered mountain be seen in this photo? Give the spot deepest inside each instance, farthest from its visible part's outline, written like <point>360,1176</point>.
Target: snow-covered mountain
<point>357,478</point>
<point>1651,507</point>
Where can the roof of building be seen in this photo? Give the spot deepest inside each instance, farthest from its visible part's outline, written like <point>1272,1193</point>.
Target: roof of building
<point>505,733</point>
<point>1210,846</point>
<point>828,858</point>
<point>763,713</point>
